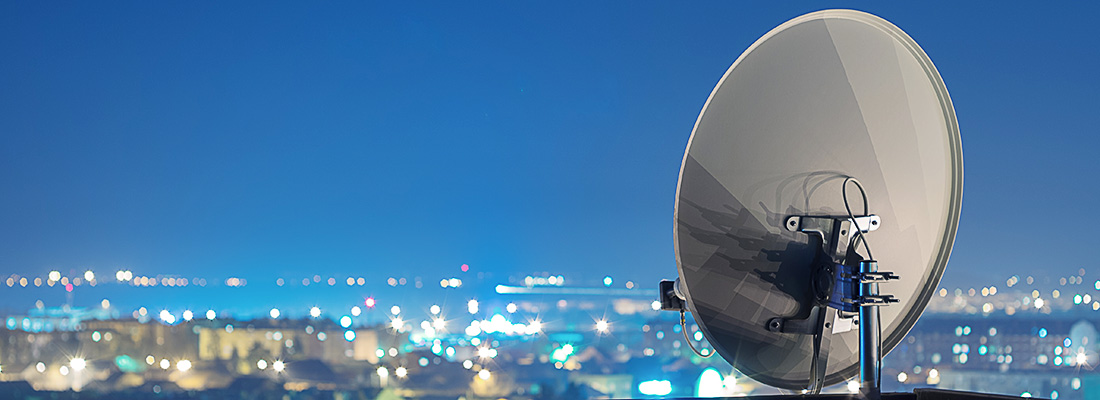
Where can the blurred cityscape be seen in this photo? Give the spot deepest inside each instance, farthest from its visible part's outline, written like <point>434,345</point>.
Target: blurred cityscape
<point>471,335</point>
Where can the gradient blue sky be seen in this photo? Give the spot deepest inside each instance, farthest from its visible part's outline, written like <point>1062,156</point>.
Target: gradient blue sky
<point>218,138</point>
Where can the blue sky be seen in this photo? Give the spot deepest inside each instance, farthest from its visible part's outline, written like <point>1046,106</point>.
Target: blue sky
<point>280,138</point>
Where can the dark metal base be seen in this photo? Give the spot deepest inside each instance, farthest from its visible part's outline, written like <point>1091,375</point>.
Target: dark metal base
<point>918,394</point>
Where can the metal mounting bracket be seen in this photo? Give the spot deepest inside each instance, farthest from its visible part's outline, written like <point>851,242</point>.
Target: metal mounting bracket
<point>839,287</point>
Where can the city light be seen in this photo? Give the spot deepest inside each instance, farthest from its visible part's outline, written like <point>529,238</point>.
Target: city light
<point>55,276</point>
<point>607,281</point>
<point>655,305</point>
<point>602,326</point>
<point>711,384</point>
<point>274,313</point>
<point>395,310</point>
<point>167,317</point>
<point>655,388</point>
<point>369,302</point>
<point>401,372</point>
<point>262,364</point>
<point>484,374</point>
<point>183,365</point>
<point>383,372</point>
<point>486,352</point>
<point>562,353</point>
<point>472,306</point>
<point>902,377</point>
<point>435,309</point>
<point>439,324</point>
<point>164,363</point>
<point>474,328</point>
<point>78,364</point>
<point>278,366</point>
<point>188,315</point>
<point>356,311</point>
<point>314,312</point>
<point>511,308</point>
<point>397,324</point>
<point>349,336</point>
<point>345,321</point>
<point>89,275</point>
<point>853,386</point>
<point>210,315</point>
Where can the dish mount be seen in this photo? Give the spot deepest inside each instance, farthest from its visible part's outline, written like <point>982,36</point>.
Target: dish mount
<point>846,293</point>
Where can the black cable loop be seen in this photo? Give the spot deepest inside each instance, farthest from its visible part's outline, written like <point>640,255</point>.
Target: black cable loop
<point>684,330</point>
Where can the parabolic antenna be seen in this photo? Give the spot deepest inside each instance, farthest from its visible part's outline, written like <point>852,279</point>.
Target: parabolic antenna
<point>825,96</point>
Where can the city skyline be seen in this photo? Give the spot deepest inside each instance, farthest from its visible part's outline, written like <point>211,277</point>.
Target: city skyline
<point>968,340</point>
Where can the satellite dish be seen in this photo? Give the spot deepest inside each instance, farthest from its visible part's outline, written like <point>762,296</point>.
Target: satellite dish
<point>823,97</point>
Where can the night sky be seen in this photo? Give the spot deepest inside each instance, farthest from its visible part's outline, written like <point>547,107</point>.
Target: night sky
<point>262,139</point>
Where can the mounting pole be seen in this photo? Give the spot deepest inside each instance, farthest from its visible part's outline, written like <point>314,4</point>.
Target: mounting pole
<point>869,357</point>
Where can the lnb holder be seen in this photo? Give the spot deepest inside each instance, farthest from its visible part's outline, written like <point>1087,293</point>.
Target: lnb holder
<point>671,297</point>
